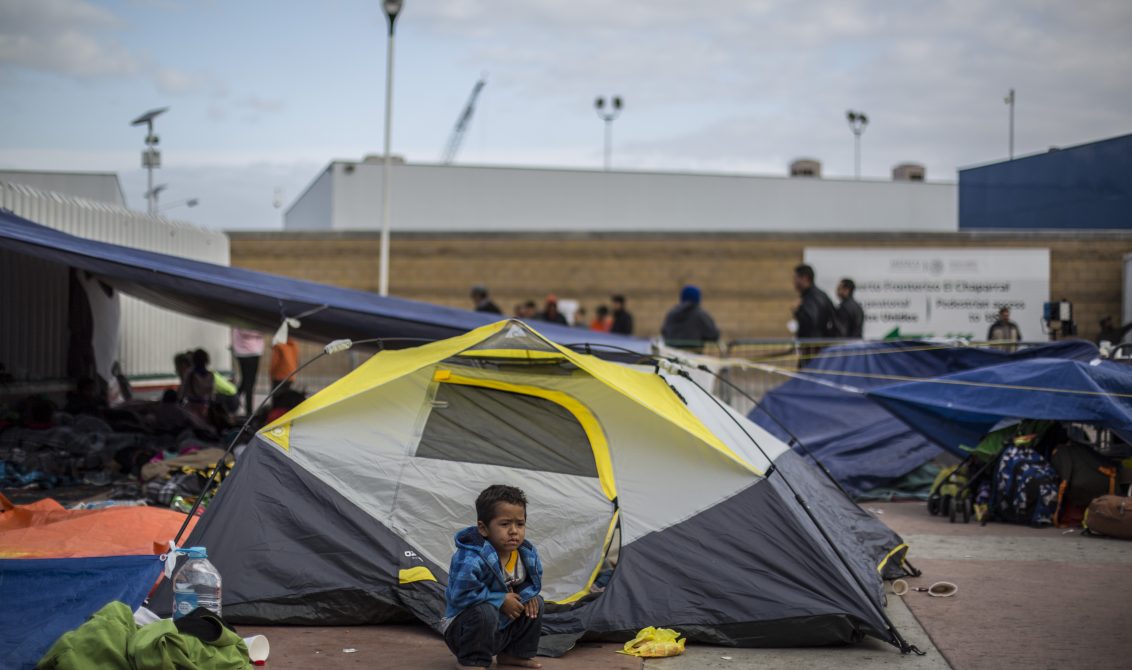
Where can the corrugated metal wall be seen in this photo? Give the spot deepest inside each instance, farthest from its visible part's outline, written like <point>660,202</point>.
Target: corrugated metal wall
<point>33,294</point>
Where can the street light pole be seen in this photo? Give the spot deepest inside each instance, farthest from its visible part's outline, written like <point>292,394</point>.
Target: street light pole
<point>857,123</point>
<point>1010,101</point>
<point>615,106</point>
<point>392,9</point>
<point>151,157</point>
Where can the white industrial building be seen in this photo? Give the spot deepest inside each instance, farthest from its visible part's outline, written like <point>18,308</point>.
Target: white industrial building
<point>34,293</point>
<point>97,186</point>
<point>450,198</point>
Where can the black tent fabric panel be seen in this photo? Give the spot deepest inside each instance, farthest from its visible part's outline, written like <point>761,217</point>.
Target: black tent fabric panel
<point>472,424</point>
<point>862,539</point>
<point>291,550</point>
<point>735,567</point>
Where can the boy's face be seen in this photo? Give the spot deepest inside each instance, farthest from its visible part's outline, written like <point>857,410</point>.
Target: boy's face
<point>507,527</point>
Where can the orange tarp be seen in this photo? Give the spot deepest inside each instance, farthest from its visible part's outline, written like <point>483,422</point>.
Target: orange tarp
<point>45,529</point>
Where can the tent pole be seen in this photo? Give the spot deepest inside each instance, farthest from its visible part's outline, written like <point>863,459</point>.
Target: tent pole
<point>897,639</point>
<point>328,350</point>
<point>794,438</point>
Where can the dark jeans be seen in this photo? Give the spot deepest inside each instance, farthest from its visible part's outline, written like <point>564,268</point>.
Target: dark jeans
<point>474,635</point>
<point>249,367</point>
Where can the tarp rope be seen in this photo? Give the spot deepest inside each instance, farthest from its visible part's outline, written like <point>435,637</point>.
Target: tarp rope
<point>792,353</point>
<point>903,378</point>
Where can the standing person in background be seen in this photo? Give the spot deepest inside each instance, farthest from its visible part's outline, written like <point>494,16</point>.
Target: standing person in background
<point>247,347</point>
<point>550,313</point>
<point>284,362</point>
<point>622,320</point>
<point>482,302</point>
<point>687,325</point>
<point>850,318</point>
<point>197,385</point>
<point>602,320</point>
<point>814,310</point>
<point>1004,329</point>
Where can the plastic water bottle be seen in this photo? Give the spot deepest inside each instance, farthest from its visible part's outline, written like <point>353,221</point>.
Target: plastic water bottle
<point>196,584</point>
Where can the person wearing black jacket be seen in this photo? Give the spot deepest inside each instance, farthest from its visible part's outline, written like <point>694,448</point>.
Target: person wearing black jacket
<point>482,301</point>
<point>622,318</point>
<point>687,325</point>
<point>814,312</point>
<point>849,318</point>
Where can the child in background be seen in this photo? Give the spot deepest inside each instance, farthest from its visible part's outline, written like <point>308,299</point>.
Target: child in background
<point>493,586</point>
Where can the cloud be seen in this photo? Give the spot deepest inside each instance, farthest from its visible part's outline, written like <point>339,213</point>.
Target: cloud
<point>750,82</point>
<point>64,37</point>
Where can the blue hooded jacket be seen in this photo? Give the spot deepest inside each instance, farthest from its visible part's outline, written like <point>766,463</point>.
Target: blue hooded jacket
<point>476,575</point>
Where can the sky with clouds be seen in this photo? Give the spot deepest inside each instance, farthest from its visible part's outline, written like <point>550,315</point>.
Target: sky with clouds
<point>264,93</point>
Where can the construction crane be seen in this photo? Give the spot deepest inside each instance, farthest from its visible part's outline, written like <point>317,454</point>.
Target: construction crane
<point>457,136</point>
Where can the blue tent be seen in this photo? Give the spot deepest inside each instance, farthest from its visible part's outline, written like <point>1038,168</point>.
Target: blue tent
<point>958,409</point>
<point>249,299</point>
<point>862,444</point>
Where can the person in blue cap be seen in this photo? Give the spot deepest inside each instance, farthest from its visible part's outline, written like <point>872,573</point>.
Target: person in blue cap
<point>687,325</point>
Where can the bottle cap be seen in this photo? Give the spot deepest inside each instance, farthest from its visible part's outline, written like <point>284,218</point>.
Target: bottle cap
<point>196,552</point>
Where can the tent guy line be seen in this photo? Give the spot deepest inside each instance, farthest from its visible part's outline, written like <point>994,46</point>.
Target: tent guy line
<point>926,380</point>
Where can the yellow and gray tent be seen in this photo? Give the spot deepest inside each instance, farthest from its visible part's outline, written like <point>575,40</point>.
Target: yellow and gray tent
<point>343,511</point>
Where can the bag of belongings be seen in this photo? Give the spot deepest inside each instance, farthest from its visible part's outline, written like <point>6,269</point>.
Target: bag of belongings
<point>655,643</point>
<point>1025,485</point>
<point>1110,515</point>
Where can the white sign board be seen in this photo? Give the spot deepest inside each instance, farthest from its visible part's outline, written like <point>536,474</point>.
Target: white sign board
<point>912,292</point>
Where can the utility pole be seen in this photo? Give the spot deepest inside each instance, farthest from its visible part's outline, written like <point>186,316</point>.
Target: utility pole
<point>151,157</point>
<point>1009,100</point>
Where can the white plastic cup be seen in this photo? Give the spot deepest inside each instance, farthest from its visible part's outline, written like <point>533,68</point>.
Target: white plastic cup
<point>258,648</point>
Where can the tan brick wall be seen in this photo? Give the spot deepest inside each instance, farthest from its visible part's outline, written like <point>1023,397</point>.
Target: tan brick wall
<point>746,279</point>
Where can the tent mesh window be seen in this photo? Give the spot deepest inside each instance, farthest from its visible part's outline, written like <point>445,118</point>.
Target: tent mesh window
<point>480,425</point>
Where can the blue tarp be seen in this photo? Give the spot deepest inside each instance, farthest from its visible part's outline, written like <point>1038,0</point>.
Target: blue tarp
<point>42,598</point>
<point>861,443</point>
<point>258,300</point>
<point>958,409</point>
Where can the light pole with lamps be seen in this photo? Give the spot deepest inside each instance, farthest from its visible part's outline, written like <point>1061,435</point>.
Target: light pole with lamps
<point>615,105</point>
<point>151,157</point>
<point>857,123</point>
<point>392,9</point>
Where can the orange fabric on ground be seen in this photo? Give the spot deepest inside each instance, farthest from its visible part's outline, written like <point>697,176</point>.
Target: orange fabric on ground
<point>45,529</point>
<point>284,360</point>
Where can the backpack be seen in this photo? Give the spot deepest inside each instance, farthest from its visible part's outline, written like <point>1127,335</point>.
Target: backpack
<point>1085,475</point>
<point>1110,515</point>
<point>1025,487</point>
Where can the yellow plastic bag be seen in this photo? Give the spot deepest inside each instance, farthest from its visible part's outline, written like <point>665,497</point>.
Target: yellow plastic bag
<point>654,643</point>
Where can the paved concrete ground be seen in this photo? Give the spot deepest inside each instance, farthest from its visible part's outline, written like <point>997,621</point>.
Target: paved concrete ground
<point>1027,599</point>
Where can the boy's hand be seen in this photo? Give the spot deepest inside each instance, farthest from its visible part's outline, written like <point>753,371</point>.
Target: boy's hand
<point>512,607</point>
<point>531,608</point>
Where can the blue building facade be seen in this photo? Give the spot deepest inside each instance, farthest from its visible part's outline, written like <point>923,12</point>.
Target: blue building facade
<point>1082,187</point>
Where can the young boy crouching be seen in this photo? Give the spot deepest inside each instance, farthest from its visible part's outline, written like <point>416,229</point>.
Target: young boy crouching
<point>493,585</point>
